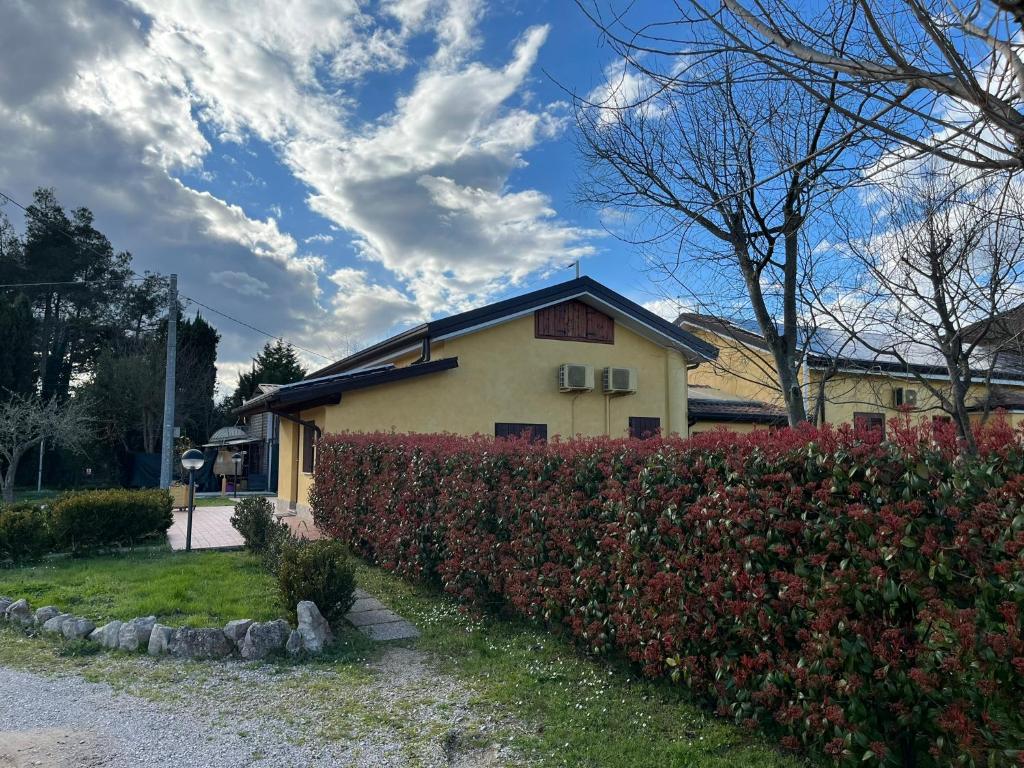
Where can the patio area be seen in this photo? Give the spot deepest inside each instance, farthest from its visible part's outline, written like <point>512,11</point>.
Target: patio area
<point>211,529</point>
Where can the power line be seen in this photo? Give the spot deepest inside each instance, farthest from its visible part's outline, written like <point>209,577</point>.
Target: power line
<point>137,276</point>
<point>254,328</point>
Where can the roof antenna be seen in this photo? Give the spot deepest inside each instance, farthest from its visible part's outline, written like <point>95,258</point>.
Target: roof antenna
<point>577,265</point>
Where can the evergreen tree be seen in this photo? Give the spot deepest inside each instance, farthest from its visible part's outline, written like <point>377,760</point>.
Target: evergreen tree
<point>276,364</point>
<point>196,378</point>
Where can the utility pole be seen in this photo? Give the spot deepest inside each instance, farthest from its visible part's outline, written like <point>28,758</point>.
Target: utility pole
<point>167,443</point>
<point>39,474</point>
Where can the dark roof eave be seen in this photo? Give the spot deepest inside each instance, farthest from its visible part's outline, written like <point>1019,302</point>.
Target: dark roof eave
<point>771,419</point>
<point>299,396</point>
<point>888,366</point>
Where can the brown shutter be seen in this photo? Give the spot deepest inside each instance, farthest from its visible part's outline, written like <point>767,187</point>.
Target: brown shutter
<point>574,321</point>
<point>307,448</point>
<point>536,432</point>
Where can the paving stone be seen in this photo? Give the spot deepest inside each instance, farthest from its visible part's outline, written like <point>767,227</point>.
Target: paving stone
<point>364,618</point>
<point>394,630</point>
<point>366,604</point>
<point>360,593</point>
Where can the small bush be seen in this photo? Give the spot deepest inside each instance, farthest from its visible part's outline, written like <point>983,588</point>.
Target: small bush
<point>319,571</point>
<point>279,537</point>
<point>264,536</point>
<point>87,520</point>
<point>24,533</point>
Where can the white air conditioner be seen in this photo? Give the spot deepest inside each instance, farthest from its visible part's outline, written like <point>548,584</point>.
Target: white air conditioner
<point>618,380</point>
<point>903,396</point>
<point>575,378</point>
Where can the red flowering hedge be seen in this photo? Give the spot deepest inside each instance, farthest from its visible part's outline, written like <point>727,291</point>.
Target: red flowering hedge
<point>862,600</point>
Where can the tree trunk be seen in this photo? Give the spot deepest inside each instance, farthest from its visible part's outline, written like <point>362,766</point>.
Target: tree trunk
<point>8,478</point>
<point>962,419</point>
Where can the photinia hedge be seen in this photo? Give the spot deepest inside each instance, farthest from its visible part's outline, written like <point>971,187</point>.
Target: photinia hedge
<point>862,600</point>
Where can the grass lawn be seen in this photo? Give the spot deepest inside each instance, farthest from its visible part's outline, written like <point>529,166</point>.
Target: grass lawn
<point>584,712</point>
<point>216,501</point>
<point>569,710</point>
<point>198,589</point>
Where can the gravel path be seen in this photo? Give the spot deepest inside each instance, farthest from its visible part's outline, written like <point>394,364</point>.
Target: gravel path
<point>227,715</point>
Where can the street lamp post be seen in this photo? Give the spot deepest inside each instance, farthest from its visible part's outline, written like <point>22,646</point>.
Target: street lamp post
<point>192,459</point>
<point>237,458</point>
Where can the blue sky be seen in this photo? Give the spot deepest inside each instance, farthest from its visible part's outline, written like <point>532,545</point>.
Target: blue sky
<point>326,170</point>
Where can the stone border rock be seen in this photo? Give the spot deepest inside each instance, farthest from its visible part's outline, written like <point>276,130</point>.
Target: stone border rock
<point>252,640</point>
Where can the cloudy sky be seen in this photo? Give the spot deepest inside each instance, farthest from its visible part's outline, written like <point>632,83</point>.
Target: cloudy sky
<point>329,170</point>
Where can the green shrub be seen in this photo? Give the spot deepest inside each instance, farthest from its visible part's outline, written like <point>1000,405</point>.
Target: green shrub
<point>254,519</point>
<point>319,571</point>
<point>24,533</point>
<point>263,534</point>
<point>86,520</point>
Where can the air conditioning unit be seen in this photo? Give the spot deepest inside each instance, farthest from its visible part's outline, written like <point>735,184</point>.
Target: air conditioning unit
<point>575,378</point>
<point>903,396</point>
<point>618,380</point>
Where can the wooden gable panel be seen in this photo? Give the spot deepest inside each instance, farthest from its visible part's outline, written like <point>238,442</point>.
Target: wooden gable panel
<point>574,321</point>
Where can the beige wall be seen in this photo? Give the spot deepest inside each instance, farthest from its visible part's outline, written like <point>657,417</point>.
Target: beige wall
<point>507,375</point>
<point>740,427</point>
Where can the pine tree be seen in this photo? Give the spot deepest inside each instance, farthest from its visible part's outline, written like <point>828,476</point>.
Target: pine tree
<point>276,364</point>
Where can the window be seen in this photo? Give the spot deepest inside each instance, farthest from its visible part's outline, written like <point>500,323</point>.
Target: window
<point>869,423</point>
<point>643,427</point>
<point>308,448</point>
<point>537,432</point>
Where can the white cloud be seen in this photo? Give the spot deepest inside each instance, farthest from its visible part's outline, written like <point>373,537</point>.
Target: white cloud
<point>667,308</point>
<point>242,283</point>
<point>114,101</point>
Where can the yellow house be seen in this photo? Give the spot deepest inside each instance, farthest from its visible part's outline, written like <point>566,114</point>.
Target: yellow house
<point>573,359</point>
<point>847,381</point>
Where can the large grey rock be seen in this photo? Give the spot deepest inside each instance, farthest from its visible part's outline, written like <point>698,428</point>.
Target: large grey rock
<point>53,626</point>
<point>107,634</point>
<point>294,645</point>
<point>19,612</point>
<point>199,644</point>
<point>76,628</point>
<point>5,603</point>
<point>264,638</point>
<point>159,640</point>
<point>46,613</point>
<point>135,634</point>
<point>313,627</point>
<point>235,630</point>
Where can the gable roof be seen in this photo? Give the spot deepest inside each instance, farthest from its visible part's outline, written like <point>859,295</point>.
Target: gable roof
<point>723,327</point>
<point>856,353</point>
<point>589,291</point>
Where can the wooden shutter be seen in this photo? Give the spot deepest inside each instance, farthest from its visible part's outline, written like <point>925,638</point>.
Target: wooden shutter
<point>308,435</point>
<point>537,432</point>
<point>643,427</point>
<point>574,321</point>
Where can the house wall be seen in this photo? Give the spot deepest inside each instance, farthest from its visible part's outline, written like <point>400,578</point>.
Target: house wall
<point>505,374</point>
<point>739,427</point>
<point>746,372</point>
<point>849,393</point>
<point>739,370</point>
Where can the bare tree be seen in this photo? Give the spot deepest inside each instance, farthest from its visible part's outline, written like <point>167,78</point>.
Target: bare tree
<point>926,284</point>
<point>724,170</point>
<point>938,77</point>
<point>25,421</point>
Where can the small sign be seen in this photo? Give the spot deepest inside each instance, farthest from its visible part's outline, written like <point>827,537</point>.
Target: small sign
<point>88,471</point>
